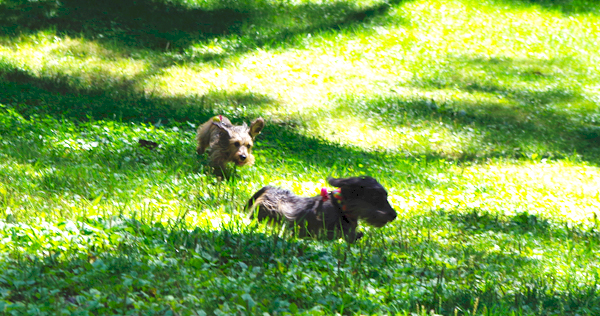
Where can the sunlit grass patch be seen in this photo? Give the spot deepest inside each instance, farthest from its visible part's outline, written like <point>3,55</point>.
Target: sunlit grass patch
<point>561,190</point>
<point>83,64</point>
<point>490,29</point>
<point>306,79</point>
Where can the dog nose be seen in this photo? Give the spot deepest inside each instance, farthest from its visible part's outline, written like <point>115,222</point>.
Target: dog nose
<point>243,157</point>
<point>391,215</point>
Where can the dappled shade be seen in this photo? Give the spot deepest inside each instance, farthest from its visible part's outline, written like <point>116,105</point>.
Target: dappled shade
<point>171,25</point>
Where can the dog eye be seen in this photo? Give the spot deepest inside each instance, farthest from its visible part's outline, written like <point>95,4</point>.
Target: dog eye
<point>237,144</point>
<point>249,146</point>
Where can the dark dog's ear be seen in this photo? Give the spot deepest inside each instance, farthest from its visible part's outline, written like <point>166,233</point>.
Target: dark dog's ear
<point>256,126</point>
<point>361,181</point>
<point>355,186</point>
<point>348,186</point>
<point>338,182</point>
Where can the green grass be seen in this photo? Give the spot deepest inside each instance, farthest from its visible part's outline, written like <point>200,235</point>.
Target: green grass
<point>480,118</point>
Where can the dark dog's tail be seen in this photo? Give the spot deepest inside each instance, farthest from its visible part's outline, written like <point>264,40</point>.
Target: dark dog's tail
<point>254,197</point>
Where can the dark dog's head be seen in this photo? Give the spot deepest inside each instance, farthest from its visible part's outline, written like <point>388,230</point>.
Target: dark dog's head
<point>366,199</point>
<point>239,140</point>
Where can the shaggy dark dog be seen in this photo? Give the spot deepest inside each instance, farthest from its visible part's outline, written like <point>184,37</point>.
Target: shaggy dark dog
<point>332,214</point>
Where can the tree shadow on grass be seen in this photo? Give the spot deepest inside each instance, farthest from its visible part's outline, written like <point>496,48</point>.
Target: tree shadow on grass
<point>122,100</point>
<point>162,26</point>
<point>148,262</point>
<point>143,23</point>
<point>121,259</point>
<point>511,108</point>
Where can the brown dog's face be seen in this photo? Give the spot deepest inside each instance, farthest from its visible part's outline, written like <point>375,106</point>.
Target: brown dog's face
<point>366,199</point>
<point>240,147</point>
<point>241,141</point>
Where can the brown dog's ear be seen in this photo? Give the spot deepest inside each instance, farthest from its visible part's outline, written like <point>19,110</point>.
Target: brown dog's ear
<point>256,126</point>
<point>223,126</point>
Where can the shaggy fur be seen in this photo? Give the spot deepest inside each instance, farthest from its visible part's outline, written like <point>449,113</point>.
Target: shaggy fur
<point>361,198</point>
<point>227,142</point>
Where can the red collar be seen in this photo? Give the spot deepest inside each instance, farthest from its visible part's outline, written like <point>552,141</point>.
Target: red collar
<point>324,195</point>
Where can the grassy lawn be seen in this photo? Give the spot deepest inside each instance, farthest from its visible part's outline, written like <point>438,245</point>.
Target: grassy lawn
<point>481,119</point>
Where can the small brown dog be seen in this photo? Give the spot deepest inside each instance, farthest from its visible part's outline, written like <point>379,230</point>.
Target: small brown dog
<point>227,142</point>
<point>333,214</point>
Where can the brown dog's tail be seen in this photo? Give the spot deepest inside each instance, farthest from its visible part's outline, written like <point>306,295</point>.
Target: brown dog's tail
<point>254,197</point>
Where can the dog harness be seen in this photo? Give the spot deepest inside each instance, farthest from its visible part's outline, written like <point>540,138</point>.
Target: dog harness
<point>339,202</point>
<point>336,194</point>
